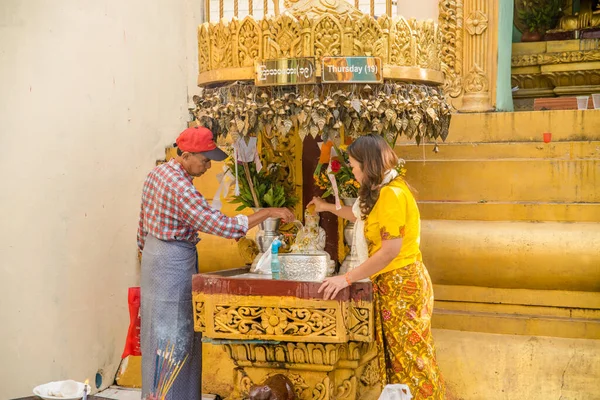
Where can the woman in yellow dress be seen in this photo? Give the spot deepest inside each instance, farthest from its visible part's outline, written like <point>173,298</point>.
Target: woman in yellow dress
<point>402,289</point>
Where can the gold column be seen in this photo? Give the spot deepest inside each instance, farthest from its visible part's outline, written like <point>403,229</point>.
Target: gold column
<point>470,50</point>
<point>480,53</point>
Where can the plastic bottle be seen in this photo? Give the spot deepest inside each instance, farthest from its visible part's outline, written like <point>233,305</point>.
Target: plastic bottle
<point>275,266</point>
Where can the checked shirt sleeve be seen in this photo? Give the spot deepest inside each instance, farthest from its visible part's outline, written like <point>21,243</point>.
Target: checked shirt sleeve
<point>196,212</point>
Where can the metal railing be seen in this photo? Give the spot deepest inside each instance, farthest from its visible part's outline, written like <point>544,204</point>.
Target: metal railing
<point>215,10</point>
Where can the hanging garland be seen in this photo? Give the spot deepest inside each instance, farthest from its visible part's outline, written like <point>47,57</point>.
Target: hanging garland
<point>419,112</point>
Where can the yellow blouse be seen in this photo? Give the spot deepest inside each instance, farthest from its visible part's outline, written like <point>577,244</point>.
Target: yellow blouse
<point>395,215</point>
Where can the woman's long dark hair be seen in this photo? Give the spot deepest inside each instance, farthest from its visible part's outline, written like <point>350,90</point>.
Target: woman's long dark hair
<point>375,157</point>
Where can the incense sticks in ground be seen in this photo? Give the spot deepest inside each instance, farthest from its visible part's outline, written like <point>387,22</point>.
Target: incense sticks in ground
<point>167,367</point>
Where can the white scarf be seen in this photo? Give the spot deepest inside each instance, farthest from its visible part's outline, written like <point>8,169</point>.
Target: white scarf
<point>359,242</point>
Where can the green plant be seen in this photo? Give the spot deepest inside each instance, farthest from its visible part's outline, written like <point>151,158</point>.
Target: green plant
<point>344,178</point>
<point>270,187</point>
<point>541,15</point>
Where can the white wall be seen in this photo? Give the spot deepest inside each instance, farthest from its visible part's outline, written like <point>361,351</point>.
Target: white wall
<point>421,10</point>
<point>90,94</point>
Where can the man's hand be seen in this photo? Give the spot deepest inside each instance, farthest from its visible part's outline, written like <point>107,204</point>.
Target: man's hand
<point>285,214</point>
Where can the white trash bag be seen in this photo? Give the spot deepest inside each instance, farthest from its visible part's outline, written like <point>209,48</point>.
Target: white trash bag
<point>396,392</point>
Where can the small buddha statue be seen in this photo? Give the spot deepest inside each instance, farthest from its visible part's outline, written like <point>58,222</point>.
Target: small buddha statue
<point>311,237</point>
<point>587,17</point>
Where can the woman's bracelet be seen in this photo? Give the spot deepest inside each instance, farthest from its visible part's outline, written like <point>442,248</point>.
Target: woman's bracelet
<point>348,278</point>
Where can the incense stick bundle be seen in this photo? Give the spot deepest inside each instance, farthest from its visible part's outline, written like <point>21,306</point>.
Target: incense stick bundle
<point>167,367</point>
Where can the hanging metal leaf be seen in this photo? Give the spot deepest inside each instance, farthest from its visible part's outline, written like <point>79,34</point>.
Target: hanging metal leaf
<point>314,131</point>
<point>288,124</point>
<point>239,124</point>
<point>398,124</point>
<point>302,132</point>
<point>431,112</point>
<point>391,115</point>
<point>315,117</point>
<point>321,123</point>
<point>405,123</point>
<point>389,136</point>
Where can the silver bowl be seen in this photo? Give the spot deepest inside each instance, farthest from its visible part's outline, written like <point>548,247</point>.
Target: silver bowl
<point>304,267</point>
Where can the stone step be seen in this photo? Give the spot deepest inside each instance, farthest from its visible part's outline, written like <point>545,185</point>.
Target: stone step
<point>513,255</point>
<point>519,297</point>
<point>510,211</point>
<point>505,180</point>
<point>503,150</point>
<point>565,125</point>
<point>514,324</point>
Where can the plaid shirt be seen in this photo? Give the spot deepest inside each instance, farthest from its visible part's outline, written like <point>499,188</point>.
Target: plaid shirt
<point>172,209</point>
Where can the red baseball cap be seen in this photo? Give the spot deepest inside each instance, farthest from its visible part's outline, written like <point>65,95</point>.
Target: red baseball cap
<point>200,140</point>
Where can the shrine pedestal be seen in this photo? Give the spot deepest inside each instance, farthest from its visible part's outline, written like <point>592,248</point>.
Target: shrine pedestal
<point>325,347</point>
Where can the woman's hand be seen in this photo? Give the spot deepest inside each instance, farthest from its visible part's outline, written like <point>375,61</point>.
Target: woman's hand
<point>285,214</point>
<point>332,286</point>
<point>320,204</point>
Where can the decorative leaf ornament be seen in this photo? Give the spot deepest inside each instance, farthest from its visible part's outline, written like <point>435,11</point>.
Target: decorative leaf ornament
<point>417,111</point>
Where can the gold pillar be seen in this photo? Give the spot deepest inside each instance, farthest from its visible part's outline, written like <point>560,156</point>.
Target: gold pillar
<point>469,52</point>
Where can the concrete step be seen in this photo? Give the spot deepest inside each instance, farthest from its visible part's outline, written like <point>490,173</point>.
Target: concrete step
<point>506,180</point>
<point>510,211</point>
<point>513,255</point>
<point>501,150</point>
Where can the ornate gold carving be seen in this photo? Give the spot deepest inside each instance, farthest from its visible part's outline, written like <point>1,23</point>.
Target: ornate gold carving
<point>370,375</point>
<point>248,44</point>
<point>246,354</point>
<point>328,36</point>
<point>316,28</point>
<point>574,78</point>
<point>220,46</point>
<point>369,39</point>
<point>476,23</point>
<point>322,390</point>
<point>314,9</point>
<point>357,321</point>
<point>317,371</point>
<point>199,313</point>
<point>204,42</point>
<point>426,55</point>
<point>480,58</point>
<point>402,43</point>
<point>274,321</point>
<point>347,389</point>
<point>476,81</point>
<point>451,27</point>
<point>525,60</point>
<point>530,81</point>
<point>282,37</point>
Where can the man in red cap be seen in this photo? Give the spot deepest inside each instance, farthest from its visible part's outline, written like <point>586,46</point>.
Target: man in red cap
<point>172,214</point>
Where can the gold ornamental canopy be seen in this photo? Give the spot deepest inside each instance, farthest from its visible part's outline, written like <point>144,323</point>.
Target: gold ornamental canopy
<point>409,49</point>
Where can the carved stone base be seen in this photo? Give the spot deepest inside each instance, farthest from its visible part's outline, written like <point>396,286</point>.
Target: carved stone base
<point>318,371</point>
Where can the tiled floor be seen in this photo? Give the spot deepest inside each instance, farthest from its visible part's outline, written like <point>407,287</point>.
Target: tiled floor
<point>119,393</point>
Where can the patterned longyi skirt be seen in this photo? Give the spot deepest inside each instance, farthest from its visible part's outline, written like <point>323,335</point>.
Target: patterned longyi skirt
<point>403,301</point>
